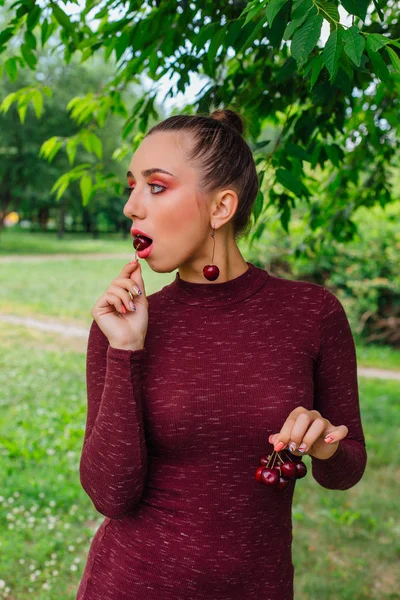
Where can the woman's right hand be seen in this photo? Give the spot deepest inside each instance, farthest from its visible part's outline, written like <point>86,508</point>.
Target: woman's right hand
<point>125,328</point>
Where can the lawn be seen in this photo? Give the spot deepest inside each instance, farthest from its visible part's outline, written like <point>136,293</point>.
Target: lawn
<point>346,543</point>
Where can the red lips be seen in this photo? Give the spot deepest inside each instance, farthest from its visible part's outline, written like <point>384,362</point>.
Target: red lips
<point>138,232</point>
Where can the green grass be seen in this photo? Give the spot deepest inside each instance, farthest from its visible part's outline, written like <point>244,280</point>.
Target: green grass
<point>16,241</point>
<point>378,356</point>
<point>64,290</point>
<point>346,544</point>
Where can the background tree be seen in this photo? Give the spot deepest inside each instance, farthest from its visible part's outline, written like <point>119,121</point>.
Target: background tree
<point>334,105</point>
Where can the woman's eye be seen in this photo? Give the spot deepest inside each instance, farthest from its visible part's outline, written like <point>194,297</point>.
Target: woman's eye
<point>157,185</point>
<point>129,190</point>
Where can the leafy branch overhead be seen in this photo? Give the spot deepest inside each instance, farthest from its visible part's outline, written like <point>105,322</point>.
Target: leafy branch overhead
<point>322,75</point>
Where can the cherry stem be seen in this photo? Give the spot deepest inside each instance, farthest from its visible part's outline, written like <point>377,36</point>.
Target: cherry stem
<point>213,236</point>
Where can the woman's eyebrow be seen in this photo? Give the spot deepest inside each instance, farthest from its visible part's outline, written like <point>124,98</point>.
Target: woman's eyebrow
<point>148,172</point>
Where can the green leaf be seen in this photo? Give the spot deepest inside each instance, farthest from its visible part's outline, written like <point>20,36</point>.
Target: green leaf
<point>46,32</point>
<point>379,10</point>
<point>252,9</point>
<point>300,11</point>
<point>379,66</point>
<point>62,18</point>
<point>297,151</point>
<point>356,7</point>
<point>86,188</point>
<point>306,38</point>
<point>216,42</point>
<point>329,11</point>
<point>317,66</point>
<point>354,44</point>
<point>50,148</point>
<point>37,101</point>
<point>394,58</point>
<point>273,8</point>
<point>258,205</point>
<point>22,112</point>
<point>96,145</point>
<point>30,40</point>
<point>376,41</point>
<point>11,68</point>
<point>6,35</point>
<point>33,17</point>
<point>333,154</point>
<point>8,100</point>
<point>70,148</point>
<point>289,181</point>
<point>28,56</point>
<point>332,51</point>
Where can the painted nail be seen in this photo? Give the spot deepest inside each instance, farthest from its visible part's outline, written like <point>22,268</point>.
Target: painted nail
<point>279,446</point>
<point>123,309</point>
<point>328,439</point>
<point>132,305</point>
<point>292,446</point>
<point>302,447</point>
<point>137,290</point>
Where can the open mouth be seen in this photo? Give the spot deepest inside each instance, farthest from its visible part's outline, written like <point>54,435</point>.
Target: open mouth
<point>141,242</point>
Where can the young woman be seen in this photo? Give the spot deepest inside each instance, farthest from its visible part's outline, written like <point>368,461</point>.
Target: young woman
<point>189,389</point>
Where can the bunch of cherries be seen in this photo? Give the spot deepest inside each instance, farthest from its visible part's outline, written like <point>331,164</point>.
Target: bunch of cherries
<point>277,471</point>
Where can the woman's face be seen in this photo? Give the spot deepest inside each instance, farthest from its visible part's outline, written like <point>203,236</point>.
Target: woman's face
<point>165,206</point>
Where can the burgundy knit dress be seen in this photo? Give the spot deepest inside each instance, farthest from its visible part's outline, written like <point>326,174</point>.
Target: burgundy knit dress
<point>175,431</point>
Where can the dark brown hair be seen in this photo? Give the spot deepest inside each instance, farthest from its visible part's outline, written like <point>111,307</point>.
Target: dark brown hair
<point>222,156</point>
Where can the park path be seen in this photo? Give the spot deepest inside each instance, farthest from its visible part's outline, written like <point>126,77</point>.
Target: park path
<point>82,333</point>
<point>34,258</point>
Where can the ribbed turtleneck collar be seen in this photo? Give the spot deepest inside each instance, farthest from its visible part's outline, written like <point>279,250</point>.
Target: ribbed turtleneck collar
<point>217,294</point>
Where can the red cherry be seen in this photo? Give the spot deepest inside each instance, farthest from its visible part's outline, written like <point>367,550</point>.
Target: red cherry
<point>269,476</point>
<point>264,459</point>
<point>301,470</point>
<point>282,483</point>
<point>258,473</point>
<point>140,242</point>
<point>211,272</point>
<point>288,469</point>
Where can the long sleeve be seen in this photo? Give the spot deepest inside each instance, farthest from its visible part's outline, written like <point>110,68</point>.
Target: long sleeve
<point>113,463</point>
<point>336,397</point>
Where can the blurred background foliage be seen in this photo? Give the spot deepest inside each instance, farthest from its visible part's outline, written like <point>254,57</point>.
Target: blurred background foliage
<point>317,82</point>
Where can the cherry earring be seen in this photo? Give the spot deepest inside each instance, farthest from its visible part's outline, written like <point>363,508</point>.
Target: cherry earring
<point>211,272</point>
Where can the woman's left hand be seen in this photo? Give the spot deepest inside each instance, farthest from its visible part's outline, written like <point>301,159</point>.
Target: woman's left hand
<point>309,427</point>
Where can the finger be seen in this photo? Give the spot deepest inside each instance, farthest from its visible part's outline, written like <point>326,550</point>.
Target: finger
<point>336,434</point>
<point>129,267</point>
<point>283,436</point>
<point>299,430</point>
<point>315,430</point>
<point>137,277</point>
<point>115,300</point>
<point>129,285</point>
<point>123,295</point>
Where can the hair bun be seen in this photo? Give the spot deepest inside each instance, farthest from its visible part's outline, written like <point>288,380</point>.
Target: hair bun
<point>229,117</point>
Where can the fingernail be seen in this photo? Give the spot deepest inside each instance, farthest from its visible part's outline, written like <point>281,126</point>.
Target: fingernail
<point>292,446</point>
<point>302,447</point>
<point>123,309</point>
<point>279,446</point>
<point>137,290</point>
<point>132,305</point>
<point>328,439</point>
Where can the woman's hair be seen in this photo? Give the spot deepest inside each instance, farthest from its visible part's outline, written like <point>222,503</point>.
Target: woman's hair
<point>222,156</point>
